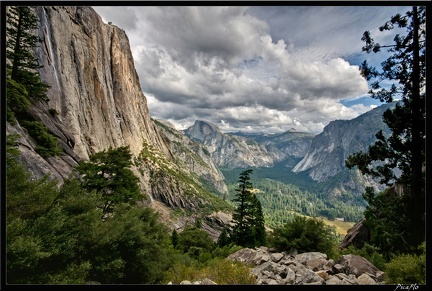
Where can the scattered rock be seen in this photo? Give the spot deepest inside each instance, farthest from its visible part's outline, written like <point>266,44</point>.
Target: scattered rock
<point>311,268</point>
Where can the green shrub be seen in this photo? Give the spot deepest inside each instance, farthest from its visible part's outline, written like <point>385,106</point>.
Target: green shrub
<point>46,142</point>
<point>16,100</point>
<point>305,235</point>
<point>227,272</point>
<point>221,271</point>
<point>52,111</point>
<point>58,236</point>
<point>194,241</point>
<point>182,268</point>
<point>407,268</point>
<point>225,251</point>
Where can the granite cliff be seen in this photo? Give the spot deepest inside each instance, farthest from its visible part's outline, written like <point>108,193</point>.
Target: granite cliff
<point>95,102</point>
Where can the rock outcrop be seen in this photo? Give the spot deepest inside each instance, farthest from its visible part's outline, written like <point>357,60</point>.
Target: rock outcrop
<point>356,236</point>
<point>95,99</point>
<point>312,268</point>
<point>95,88</point>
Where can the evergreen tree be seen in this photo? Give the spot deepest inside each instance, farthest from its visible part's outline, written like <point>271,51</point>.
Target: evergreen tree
<point>386,221</point>
<point>108,173</point>
<point>54,234</point>
<point>22,65</point>
<point>405,148</point>
<point>23,83</point>
<point>174,238</point>
<point>17,102</point>
<point>223,239</point>
<point>248,219</point>
<point>257,221</point>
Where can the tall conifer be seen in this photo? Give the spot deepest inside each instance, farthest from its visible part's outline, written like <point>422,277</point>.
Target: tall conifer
<point>405,148</point>
<point>248,219</point>
<point>23,65</point>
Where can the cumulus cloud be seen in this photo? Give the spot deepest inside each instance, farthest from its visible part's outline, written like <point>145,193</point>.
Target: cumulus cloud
<point>253,69</point>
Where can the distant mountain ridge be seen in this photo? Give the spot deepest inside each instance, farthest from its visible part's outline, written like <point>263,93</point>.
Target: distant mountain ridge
<point>321,156</point>
<point>192,156</point>
<point>286,147</point>
<point>228,150</point>
<point>340,138</point>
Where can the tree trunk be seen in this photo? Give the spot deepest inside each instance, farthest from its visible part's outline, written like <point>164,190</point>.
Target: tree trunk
<point>417,195</point>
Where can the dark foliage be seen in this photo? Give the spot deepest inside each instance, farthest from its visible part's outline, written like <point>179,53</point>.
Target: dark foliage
<point>107,172</point>
<point>248,219</point>
<point>400,158</point>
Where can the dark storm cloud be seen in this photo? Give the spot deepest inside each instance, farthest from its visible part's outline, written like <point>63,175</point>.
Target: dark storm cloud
<point>249,68</point>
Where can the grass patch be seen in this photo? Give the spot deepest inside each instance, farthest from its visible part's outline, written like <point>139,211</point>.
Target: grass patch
<point>342,227</point>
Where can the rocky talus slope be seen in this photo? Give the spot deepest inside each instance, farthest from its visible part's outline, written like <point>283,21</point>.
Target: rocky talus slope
<point>312,268</point>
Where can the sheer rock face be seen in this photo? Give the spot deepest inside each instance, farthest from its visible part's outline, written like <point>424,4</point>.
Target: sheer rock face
<point>328,151</point>
<point>340,138</point>
<point>95,89</point>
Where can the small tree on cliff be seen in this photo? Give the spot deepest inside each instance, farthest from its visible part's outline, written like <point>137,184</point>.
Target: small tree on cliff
<point>248,219</point>
<point>405,148</point>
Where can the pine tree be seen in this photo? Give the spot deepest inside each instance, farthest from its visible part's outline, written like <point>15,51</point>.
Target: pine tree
<point>174,238</point>
<point>405,148</point>
<point>223,239</point>
<point>257,221</point>
<point>22,64</point>
<point>107,172</point>
<point>248,219</point>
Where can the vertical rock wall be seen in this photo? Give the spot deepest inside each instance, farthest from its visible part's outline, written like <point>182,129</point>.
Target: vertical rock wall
<point>95,99</point>
<point>94,86</point>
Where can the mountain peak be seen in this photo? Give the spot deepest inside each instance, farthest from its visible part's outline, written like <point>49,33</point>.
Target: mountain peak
<point>202,129</point>
<point>205,126</point>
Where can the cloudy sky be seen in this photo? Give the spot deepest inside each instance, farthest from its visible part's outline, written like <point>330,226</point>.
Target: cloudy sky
<point>254,69</point>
